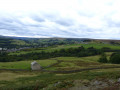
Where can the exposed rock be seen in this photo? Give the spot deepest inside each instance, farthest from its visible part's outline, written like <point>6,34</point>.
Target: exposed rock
<point>35,66</point>
<point>57,83</point>
<point>111,81</point>
<point>118,80</point>
<point>93,85</point>
<point>97,82</point>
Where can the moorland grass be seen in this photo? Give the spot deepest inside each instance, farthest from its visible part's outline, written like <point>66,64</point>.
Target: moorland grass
<point>43,80</point>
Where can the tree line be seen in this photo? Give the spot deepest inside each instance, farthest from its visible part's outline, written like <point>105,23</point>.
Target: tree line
<point>70,52</point>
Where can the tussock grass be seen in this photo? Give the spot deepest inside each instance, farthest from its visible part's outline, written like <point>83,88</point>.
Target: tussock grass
<point>44,80</point>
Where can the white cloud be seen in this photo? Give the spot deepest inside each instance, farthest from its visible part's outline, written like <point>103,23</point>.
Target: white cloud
<point>60,18</point>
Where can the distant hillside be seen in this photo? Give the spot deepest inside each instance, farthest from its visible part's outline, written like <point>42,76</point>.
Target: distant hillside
<point>17,42</point>
<point>7,42</point>
<point>106,41</point>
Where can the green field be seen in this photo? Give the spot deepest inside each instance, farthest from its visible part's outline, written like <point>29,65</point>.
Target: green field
<point>67,63</point>
<point>25,64</point>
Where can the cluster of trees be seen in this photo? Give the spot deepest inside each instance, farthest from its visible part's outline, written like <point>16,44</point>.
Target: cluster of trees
<point>114,58</point>
<point>103,58</point>
<point>76,52</point>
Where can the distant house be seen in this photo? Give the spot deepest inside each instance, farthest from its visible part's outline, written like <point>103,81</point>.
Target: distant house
<point>35,66</point>
<point>0,49</point>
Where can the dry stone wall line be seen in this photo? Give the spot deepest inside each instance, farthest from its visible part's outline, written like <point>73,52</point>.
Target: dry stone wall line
<point>58,71</point>
<point>70,71</point>
<point>80,70</point>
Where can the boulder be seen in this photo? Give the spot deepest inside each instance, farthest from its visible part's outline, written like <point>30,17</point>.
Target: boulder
<point>35,66</point>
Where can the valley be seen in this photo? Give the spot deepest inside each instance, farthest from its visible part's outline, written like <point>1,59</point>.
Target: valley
<point>64,67</point>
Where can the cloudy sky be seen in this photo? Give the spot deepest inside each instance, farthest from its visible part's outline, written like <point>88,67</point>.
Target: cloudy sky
<point>60,18</point>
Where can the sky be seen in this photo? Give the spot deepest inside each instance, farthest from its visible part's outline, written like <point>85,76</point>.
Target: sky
<point>99,19</point>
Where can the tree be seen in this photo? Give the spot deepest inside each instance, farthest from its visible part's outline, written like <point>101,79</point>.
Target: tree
<point>103,58</point>
<point>115,58</point>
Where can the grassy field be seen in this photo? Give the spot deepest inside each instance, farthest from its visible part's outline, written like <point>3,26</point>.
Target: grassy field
<point>68,63</point>
<point>27,80</point>
<point>75,63</point>
<point>50,49</point>
<point>25,64</point>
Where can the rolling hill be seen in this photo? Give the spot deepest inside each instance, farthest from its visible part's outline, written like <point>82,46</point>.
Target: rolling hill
<point>18,42</point>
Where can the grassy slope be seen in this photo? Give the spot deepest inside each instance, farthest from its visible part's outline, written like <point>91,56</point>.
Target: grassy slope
<point>30,80</point>
<point>68,63</point>
<point>19,42</point>
<point>24,79</point>
<point>73,63</point>
<point>10,42</point>
<point>16,80</point>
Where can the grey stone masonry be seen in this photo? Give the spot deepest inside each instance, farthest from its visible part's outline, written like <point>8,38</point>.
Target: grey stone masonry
<point>35,66</point>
